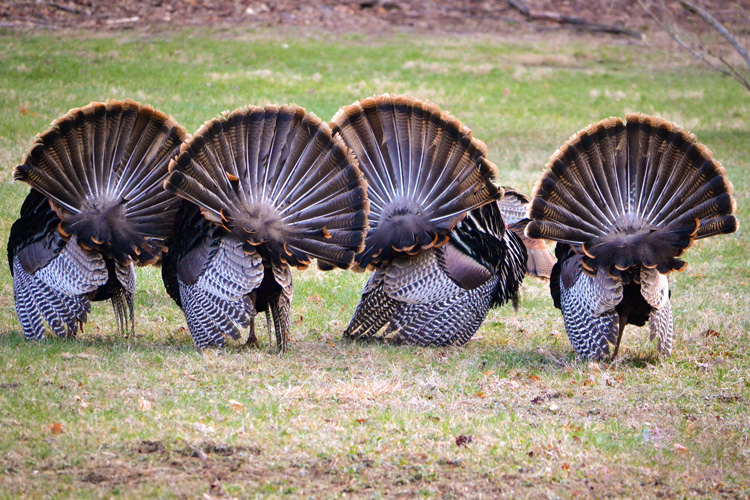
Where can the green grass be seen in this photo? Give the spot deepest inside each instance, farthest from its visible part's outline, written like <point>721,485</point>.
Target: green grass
<point>151,417</point>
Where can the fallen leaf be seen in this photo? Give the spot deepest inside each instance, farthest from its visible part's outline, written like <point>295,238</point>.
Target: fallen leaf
<point>462,440</point>
<point>594,366</point>
<point>361,420</point>
<point>588,381</point>
<point>315,299</point>
<point>480,394</point>
<point>565,466</point>
<point>488,373</point>
<point>678,447</point>
<point>299,321</point>
<point>81,402</point>
<point>535,378</point>
<point>710,333</point>
<point>144,404</point>
<point>56,428</point>
<point>236,405</point>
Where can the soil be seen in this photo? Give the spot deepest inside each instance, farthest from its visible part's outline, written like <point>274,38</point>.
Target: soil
<point>358,16</point>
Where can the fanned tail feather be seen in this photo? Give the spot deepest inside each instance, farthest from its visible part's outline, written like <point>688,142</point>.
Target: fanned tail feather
<point>102,167</point>
<point>632,194</point>
<point>425,172</point>
<point>276,179</point>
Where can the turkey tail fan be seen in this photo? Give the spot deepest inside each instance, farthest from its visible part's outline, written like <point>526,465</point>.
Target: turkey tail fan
<point>102,167</point>
<point>631,194</point>
<point>425,171</point>
<point>276,179</point>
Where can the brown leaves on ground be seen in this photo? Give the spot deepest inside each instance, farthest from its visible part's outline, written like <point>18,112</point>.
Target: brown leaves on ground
<point>315,299</point>
<point>362,16</point>
<point>462,440</point>
<point>144,404</point>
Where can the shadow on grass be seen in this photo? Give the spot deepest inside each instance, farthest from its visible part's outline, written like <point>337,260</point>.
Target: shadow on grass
<point>500,358</point>
<point>109,343</point>
<point>545,360</point>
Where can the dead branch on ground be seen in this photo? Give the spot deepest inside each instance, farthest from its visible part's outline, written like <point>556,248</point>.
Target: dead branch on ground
<point>576,22</point>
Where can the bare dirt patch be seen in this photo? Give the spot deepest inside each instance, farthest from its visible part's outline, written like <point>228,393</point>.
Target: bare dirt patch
<point>226,471</point>
<point>359,16</point>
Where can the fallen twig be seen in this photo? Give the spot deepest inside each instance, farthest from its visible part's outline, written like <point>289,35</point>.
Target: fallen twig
<point>65,8</point>
<point>123,20</point>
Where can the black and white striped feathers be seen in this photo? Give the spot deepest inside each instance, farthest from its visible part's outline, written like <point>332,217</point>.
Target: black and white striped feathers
<point>624,201</point>
<point>514,206</point>
<point>278,191</point>
<point>96,207</point>
<point>442,295</point>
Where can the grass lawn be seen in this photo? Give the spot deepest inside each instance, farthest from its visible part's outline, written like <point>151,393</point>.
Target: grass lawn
<point>105,416</point>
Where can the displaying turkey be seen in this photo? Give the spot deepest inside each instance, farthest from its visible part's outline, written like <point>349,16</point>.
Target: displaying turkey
<point>96,207</point>
<point>437,240</point>
<point>514,207</point>
<point>269,189</point>
<point>624,201</point>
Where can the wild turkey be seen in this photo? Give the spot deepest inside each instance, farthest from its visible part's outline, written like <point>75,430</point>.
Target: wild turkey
<point>271,189</point>
<point>624,201</point>
<point>96,207</point>
<point>514,207</point>
<point>437,240</point>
